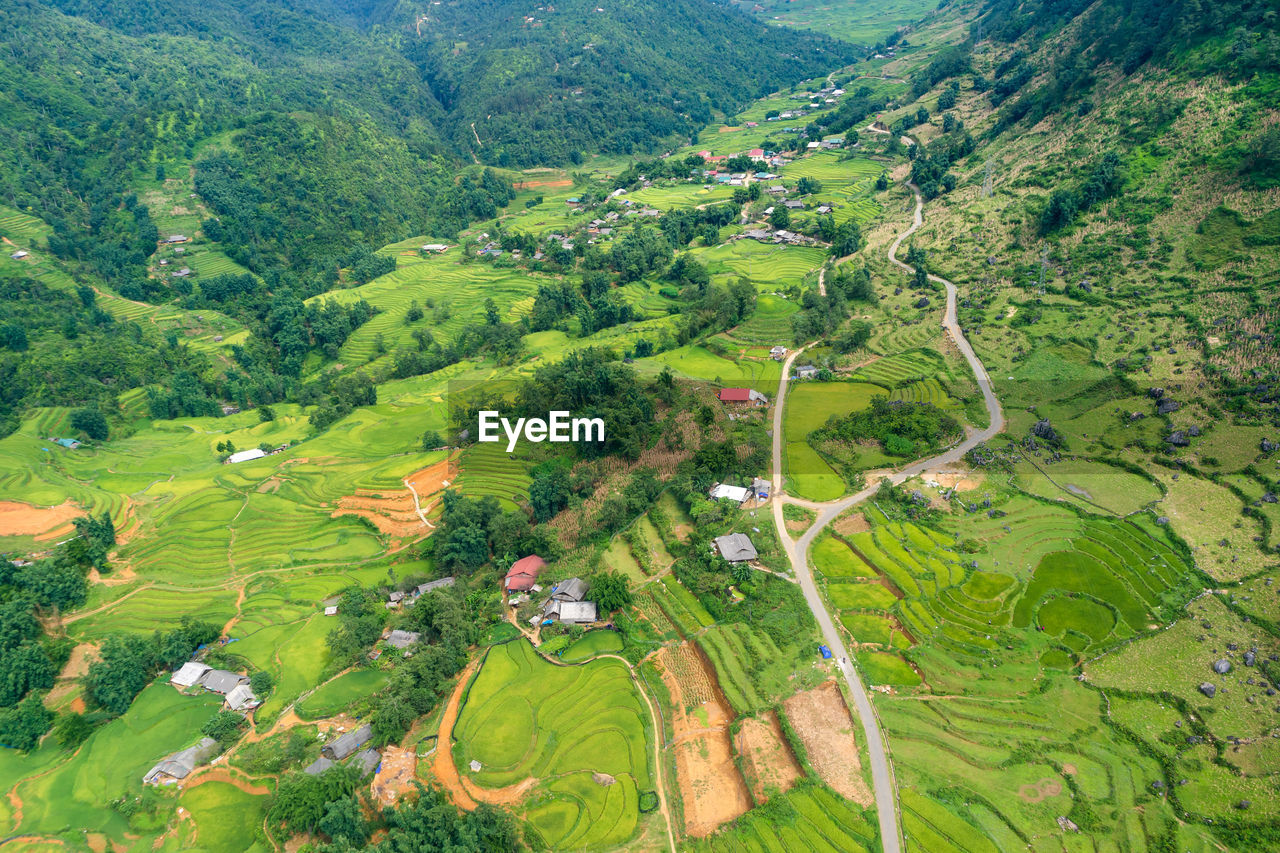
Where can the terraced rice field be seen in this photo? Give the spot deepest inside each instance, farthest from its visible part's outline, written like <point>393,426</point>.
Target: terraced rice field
<point>526,718</point>
<point>808,817</point>
<point>768,266</point>
<point>488,470</point>
<point>902,369</point>
<point>769,325</point>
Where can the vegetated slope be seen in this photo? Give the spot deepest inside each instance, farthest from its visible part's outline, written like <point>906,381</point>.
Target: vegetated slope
<point>544,84</point>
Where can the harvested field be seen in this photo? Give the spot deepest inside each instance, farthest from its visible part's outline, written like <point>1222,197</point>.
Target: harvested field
<point>768,762</point>
<point>711,787</point>
<point>42,522</point>
<point>825,726</point>
<point>399,514</point>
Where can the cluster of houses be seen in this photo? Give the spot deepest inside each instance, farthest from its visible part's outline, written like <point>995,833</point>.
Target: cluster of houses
<point>781,235</point>
<point>353,746</point>
<point>233,686</point>
<point>567,602</point>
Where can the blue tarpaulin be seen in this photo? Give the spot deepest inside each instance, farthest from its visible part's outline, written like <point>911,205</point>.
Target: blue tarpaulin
<point>826,652</point>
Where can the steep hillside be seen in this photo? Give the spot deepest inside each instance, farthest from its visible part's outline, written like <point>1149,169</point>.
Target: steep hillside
<point>529,85</point>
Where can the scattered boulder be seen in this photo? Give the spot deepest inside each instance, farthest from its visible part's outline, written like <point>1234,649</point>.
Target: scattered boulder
<point>1267,445</point>
<point>1222,666</point>
<point>1178,438</point>
<point>1162,520</point>
<point>1208,690</point>
<point>1155,393</point>
<point>922,302</point>
<point>1167,406</point>
<point>1043,429</point>
<point>1249,658</point>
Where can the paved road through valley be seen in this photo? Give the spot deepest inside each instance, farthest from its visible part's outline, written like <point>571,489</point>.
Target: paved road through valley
<point>798,550</point>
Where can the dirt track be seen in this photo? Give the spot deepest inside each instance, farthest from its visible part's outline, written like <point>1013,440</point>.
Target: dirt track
<point>401,514</point>
<point>442,762</point>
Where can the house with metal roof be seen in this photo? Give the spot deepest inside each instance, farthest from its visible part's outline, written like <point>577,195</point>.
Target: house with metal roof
<point>318,766</point>
<point>189,673</point>
<point>571,612</point>
<point>720,491</point>
<point>573,589</point>
<point>402,639</point>
<point>348,744</point>
<point>367,760</point>
<point>523,573</point>
<point>431,586</point>
<point>742,395</point>
<point>178,766</point>
<point>246,455</point>
<point>221,681</point>
<point>735,547</point>
<point>241,698</point>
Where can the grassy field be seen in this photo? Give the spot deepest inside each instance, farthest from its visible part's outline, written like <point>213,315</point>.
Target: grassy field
<point>525,717</point>
<point>226,818</point>
<point>809,406</point>
<point>333,696</point>
<point>75,794</point>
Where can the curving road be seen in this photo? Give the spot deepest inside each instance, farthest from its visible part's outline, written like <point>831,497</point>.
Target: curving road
<point>798,550</point>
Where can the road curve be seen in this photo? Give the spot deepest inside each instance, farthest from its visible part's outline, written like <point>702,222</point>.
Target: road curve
<point>798,550</point>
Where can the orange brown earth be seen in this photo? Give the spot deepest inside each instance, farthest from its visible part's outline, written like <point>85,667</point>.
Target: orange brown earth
<point>42,522</point>
<point>851,524</point>
<point>711,787</point>
<point>767,760</point>
<point>396,775</point>
<point>393,511</point>
<point>442,761</point>
<point>822,720</point>
<point>558,182</point>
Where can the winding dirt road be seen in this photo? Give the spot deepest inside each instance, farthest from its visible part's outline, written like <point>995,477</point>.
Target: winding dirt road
<point>798,550</point>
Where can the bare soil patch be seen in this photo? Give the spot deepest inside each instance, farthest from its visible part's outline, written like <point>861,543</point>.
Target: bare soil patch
<point>396,775</point>
<point>42,522</point>
<point>824,724</point>
<point>558,182</point>
<point>222,773</point>
<point>393,511</point>
<point>766,756</point>
<point>851,524</point>
<point>713,790</point>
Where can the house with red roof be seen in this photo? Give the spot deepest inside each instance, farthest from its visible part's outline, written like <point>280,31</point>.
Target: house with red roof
<point>523,573</point>
<point>755,153</point>
<point>742,395</point>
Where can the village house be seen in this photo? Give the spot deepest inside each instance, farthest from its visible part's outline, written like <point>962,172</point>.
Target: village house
<point>755,153</point>
<point>778,353</point>
<point>189,674</point>
<point>182,273</point>
<point>176,767</point>
<point>776,189</point>
<point>246,455</point>
<point>175,238</point>
<point>758,234</point>
<point>737,494</point>
<point>742,395</point>
<point>402,639</point>
<point>735,548</point>
<point>567,603</point>
<point>437,248</point>
<point>222,681</point>
<point>824,208</point>
<point>318,766</point>
<point>793,204</point>
<point>806,371</point>
<point>241,698</point>
<point>523,573</point>
<point>18,255</point>
<point>367,760</point>
<point>348,744</point>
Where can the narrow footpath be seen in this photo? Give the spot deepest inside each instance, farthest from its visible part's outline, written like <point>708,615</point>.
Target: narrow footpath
<point>798,550</point>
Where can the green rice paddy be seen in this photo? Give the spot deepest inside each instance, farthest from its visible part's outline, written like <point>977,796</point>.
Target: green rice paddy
<point>525,717</point>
